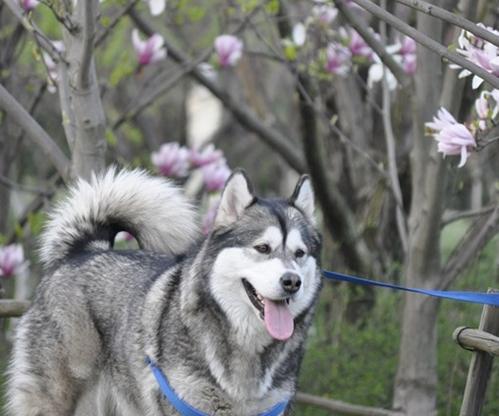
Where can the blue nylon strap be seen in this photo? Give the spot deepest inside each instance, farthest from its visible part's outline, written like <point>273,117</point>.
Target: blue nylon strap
<point>472,297</point>
<point>184,408</point>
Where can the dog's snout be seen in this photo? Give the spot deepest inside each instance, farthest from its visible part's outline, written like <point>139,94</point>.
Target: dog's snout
<point>290,282</point>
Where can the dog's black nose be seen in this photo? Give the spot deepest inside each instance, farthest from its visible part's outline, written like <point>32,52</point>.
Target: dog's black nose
<point>290,282</point>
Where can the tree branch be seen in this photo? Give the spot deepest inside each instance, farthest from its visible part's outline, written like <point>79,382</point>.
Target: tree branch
<point>272,137</point>
<point>35,132</point>
<point>456,20</point>
<point>452,216</point>
<point>163,88</point>
<point>391,154</point>
<point>83,115</point>
<point>338,406</point>
<point>378,47</point>
<point>39,36</point>
<point>427,42</point>
<point>475,239</point>
<point>88,30</point>
<point>103,35</point>
<point>35,204</point>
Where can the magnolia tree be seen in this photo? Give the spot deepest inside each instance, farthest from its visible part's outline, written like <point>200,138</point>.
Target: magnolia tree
<point>392,111</point>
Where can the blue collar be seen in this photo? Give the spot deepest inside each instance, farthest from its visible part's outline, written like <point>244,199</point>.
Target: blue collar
<point>184,408</point>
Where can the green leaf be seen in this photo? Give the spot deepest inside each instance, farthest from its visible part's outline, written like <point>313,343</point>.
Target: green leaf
<point>111,138</point>
<point>133,134</point>
<point>290,51</point>
<point>35,222</point>
<point>272,7</point>
<point>122,70</point>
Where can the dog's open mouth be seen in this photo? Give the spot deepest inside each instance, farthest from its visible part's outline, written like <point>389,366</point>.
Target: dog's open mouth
<point>275,313</point>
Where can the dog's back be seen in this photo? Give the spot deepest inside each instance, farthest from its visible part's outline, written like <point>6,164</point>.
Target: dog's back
<point>73,326</point>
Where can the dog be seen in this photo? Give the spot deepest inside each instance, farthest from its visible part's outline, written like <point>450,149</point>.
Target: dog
<point>224,317</point>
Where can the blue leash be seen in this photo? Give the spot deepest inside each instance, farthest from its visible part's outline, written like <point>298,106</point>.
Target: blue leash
<point>184,408</point>
<point>472,297</point>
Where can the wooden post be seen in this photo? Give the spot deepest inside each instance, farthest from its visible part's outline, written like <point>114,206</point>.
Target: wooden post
<point>481,365</point>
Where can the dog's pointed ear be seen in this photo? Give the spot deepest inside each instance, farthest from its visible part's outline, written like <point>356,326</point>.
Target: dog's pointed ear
<point>303,198</point>
<point>236,197</point>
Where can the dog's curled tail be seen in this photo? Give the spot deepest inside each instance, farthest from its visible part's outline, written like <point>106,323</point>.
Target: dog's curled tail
<point>152,209</point>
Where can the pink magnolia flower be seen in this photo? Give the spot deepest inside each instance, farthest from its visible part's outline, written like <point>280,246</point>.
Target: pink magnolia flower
<point>453,138</point>
<point>482,106</point>
<point>215,175</point>
<point>338,59</point>
<point>172,160</point>
<point>11,260</point>
<point>441,120</point>
<point>409,63</point>
<point>52,66</point>
<point>324,13</point>
<point>28,5</point>
<point>205,156</point>
<point>356,43</point>
<point>149,51</point>
<point>408,53</point>
<point>228,49</point>
<point>480,52</point>
<point>456,139</point>
<point>407,46</point>
<point>209,217</point>
<point>495,95</point>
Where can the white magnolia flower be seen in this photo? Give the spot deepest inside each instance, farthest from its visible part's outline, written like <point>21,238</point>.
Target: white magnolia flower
<point>299,34</point>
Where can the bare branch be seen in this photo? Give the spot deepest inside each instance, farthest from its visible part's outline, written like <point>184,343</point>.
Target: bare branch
<point>103,35</point>
<point>39,36</point>
<point>428,42</point>
<point>459,21</point>
<point>157,93</point>
<point>475,239</point>
<point>35,132</point>
<point>4,180</point>
<point>36,204</point>
<point>392,159</point>
<point>338,406</point>
<point>452,216</point>
<point>360,26</point>
<point>272,137</point>
<point>88,31</point>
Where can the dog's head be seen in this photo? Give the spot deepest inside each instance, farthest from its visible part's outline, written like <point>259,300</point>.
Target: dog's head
<point>266,252</point>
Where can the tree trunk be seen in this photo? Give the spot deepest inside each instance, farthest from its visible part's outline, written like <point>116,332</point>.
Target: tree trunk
<point>83,115</point>
<point>415,384</point>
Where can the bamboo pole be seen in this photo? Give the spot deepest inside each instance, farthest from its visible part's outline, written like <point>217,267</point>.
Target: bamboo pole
<point>481,365</point>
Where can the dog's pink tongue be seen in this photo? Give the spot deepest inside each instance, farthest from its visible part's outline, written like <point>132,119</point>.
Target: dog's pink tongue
<point>278,320</point>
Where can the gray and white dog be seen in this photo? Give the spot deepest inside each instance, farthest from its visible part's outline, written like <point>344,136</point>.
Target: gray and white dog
<point>225,317</point>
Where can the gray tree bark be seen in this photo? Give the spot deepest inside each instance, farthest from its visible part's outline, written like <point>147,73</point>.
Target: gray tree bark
<point>83,114</point>
<point>416,379</point>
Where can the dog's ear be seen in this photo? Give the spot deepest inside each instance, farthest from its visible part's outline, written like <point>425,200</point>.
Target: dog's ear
<point>237,195</point>
<point>303,198</point>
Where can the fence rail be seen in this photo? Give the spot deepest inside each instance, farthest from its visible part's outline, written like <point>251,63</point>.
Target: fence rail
<point>10,308</point>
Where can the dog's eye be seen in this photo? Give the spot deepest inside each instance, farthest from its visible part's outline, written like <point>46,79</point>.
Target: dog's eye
<point>299,253</point>
<point>262,248</point>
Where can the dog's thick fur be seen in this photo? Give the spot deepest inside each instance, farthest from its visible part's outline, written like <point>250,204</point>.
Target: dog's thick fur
<point>180,300</point>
